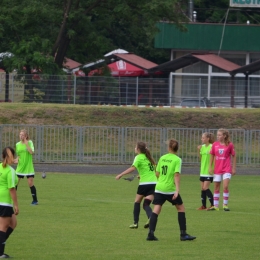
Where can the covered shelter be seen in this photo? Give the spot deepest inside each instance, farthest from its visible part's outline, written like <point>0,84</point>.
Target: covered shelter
<point>247,70</point>
<point>192,58</point>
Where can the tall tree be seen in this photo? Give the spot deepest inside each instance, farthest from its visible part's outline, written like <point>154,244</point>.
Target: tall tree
<point>40,33</point>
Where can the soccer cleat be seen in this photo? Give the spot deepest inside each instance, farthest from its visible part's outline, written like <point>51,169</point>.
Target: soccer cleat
<point>5,256</point>
<point>146,225</point>
<point>34,203</point>
<point>187,237</point>
<point>225,207</point>
<point>151,237</point>
<point>202,208</point>
<point>133,226</point>
<point>212,208</point>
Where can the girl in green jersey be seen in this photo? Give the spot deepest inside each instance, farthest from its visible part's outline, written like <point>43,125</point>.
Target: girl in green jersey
<point>8,199</point>
<point>25,151</point>
<point>145,165</point>
<point>205,178</point>
<point>167,189</point>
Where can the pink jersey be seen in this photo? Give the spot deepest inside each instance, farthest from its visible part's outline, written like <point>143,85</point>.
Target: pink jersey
<point>222,155</point>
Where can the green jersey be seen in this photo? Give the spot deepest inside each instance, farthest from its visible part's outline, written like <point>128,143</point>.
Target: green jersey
<point>8,180</point>
<point>167,166</point>
<point>145,169</point>
<point>25,162</point>
<point>205,159</point>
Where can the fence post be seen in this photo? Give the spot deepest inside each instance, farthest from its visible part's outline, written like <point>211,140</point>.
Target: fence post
<point>74,83</point>
<point>136,95</point>
<point>122,136</point>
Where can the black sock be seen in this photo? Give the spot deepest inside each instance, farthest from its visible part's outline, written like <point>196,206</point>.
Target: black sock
<point>136,212</point>
<point>7,234</point>
<point>153,222</point>
<point>33,192</point>
<point>147,208</point>
<point>182,222</point>
<point>203,197</point>
<point>210,196</point>
<point>2,242</point>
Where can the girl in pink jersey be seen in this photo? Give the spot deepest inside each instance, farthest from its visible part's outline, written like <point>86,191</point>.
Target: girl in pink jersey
<point>221,153</point>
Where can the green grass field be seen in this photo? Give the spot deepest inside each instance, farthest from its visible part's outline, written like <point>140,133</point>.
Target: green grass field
<point>87,217</point>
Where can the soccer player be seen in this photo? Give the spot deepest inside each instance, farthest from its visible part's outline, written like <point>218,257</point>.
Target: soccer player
<point>25,151</point>
<point>8,199</point>
<point>167,188</point>
<point>145,165</point>
<point>221,153</point>
<point>205,178</point>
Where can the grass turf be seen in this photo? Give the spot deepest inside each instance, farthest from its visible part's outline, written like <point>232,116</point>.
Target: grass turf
<point>87,217</point>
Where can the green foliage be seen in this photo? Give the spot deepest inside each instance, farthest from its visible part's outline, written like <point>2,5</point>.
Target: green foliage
<point>41,33</point>
<point>86,216</point>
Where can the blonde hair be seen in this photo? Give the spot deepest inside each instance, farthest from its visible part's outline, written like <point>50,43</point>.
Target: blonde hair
<point>8,156</point>
<point>226,135</point>
<point>25,133</point>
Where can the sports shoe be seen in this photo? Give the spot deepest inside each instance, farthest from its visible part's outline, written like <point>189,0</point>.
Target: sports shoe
<point>202,208</point>
<point>34,203</point>
<point>5,256</point>
<point>151,237</point>
<point>187,237</point>
<point>146,225</point>
<point>212,208</point>
<point>225,207</point>
<point>133,226</point>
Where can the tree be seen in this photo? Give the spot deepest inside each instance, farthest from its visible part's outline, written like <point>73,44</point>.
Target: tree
<point>40,33</point>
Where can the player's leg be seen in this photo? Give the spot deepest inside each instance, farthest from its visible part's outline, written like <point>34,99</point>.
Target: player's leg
<point>208,191</point>
<point>33,189</point>
<point>202,195</point>
<point>19,178</point>
<point>217,182</point>
<point>149,196</point>
<point>9,231</point>
<point>226,180</point>
<point>136,211</point>
<point>178,203</point>
<point>158,201</point>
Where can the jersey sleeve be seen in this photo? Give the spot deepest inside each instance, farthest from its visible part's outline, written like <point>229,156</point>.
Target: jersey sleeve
<point>30,143</point>
<point>11,178</point>
<point>212,150</point>
<point>232,149</point>
<point>178,165</point>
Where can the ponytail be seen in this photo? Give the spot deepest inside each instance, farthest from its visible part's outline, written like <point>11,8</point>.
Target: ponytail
<point>143,149</point>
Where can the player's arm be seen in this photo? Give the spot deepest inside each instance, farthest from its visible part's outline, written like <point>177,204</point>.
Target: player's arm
<point>234,162</point>
<point>177,185</point>
<point>127,171</point>
<point>15,201</point>
<point>211,161</point>
<point>199,155</point>
<point>28,147</point>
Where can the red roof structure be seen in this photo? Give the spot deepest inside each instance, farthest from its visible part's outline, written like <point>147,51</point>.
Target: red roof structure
<point>122,69</point>
<point>134,60</point>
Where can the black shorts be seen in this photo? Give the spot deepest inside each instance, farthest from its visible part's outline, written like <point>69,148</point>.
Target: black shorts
<point>160,198</point>
<point>6,211</point>
<point>145,190</point>
<point>27,176</point>
<point>210,178</point>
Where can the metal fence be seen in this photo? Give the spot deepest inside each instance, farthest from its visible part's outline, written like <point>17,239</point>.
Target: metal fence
<point>69,89</point>
<point>115,145</point>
